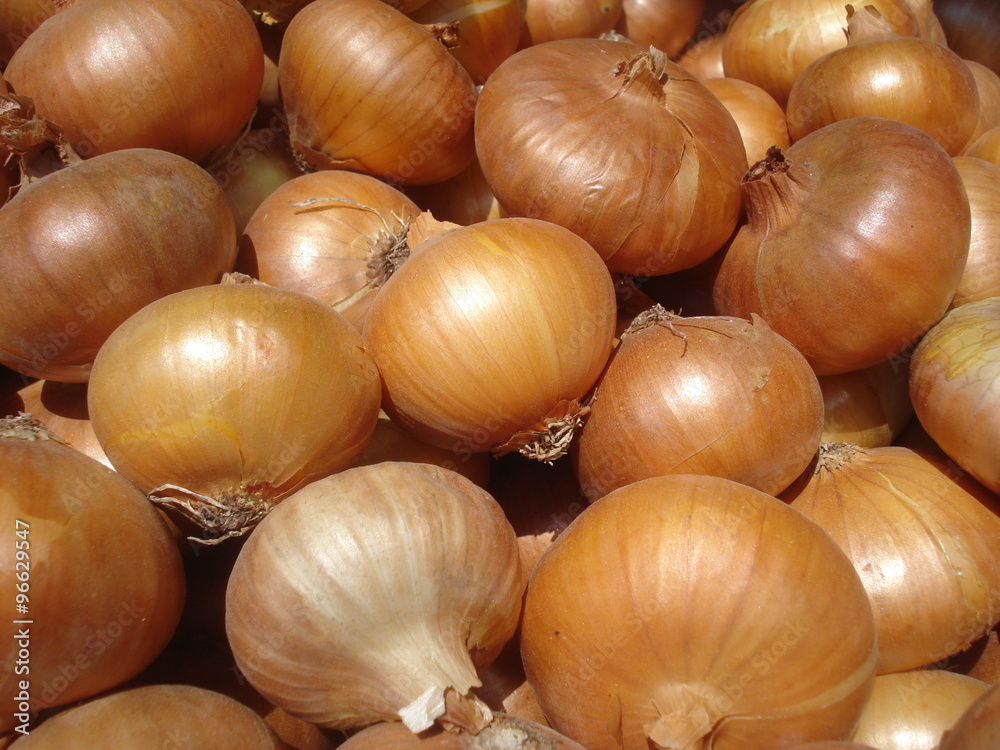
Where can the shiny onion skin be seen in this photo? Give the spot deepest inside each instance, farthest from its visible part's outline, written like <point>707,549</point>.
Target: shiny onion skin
<point>62,409</point>
<point>222,400</point>
<point>549,20</point>
<point>770,42</point>
<point>178,75</point>
<point>953,379</point>
<point>833,224</point>
<point>334,235</point>
<point>87,246</point>
<point>882,74</point>
<point>988,87</point>
<point>154,716</point>
<point>667,25</point>
<point>704,59</point>
<point>925,543</point>
<point>912,710</point>
<point>489,337</point>
<point>979,727</point>
<point>105,580</point>
<point>698,613</point>
<point>367,89</point>
<point>869,408</point>
<point>375,595</point>
<point>981,277</point>
<point>761,120</point>
<point>661,200</point>
<point>719,396</point>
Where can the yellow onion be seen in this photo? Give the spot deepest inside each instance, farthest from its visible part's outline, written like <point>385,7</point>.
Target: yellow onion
<point>833,224</point>
<point>988,87</point>
<point>549,20</point>
<point>719,396</point>
<point>981,277</point>
<point>760,118</point>
<point>95,576</point>
<point>18,19</point>
<point>223,400</point>
<point>62,409</point>
<point>374,595</point>
<point>953,377</point>
<point>667,25</point>
<point>925,543</point>
<point>703,59</point>
<point>694,612</point>
<point>882,74</point>
<point>978,728</point>
<point>661,200</point>
<point>489,337</point>
<point>912,710</point>
<point>986,146</point>
<point>158,716</point>
<point>366,88</point>
<point>868,408</point>
<point>334,235</point>
<point>505,733</point>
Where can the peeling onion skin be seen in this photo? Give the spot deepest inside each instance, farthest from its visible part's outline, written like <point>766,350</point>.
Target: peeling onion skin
<point>953,379</point>
<point>925,543</point>
<point>833,224</point>
<point>661,200</point>
<point>979,727</point>
<point>178,75</point>
<point>715,602</point>
<point>371,588</point>
<point>713,395</point>
<point>504,733</point>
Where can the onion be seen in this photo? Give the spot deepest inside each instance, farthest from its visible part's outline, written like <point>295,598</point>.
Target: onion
<point>868,408</point>
<point>770,42</point>
<point>373,595</point>
<point>222,400</point>
<point>953,378</point>
<point>667,25</point>
<point>638,633</point>
<point>62,409</point>
<point>154,716</point>
<point>831,745</point>
<point>703,59</point>
<point>760,119</point>
<point>882,74</point>
<point>988,87</point>
<point>979,727</point>
<point>661,200</point>
<point>549,20</point>
<point>911,710</point>
<point>971,28</point>
<point>986,146</point>
<point>489,338</point>
<point>505,733</point>
<point>334,235</point>
<point>178,75</point>
<point>832,225</point>
<point>403,114</point>
<point>86,247</point>
<point>925,543</point>
<point>18,20</point>
<point>719,396</point>
<point>97,573</point>
<point>981,277</point>
<point>464,199</point>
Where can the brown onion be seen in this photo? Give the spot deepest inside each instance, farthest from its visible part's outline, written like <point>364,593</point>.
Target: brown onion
<point>981,277</point>
<point>504,733</point>
<point>62,409</point>
<point>18,19</point>
<point>979,727</point>
<point>661,200</point>
<point>868,408</point>
<point>549,20</point>
<point>667,25</point>
<point>490,336</point>
<point>832,745</point>
<point>925,543</point>
<point>695,612</point>
<point>760,118</point>
<point>986,146</point>
<point>833,224</point>
<point>222,400</point>
<point>912,710</point>
<point>155,716</point>
<point>719,396</point>
<point>374,595</point>
<point>703,59</point>
<point>988,86</point>
<point>882,74</point>
<point>953,377</point>
<point>403,114</point>
<point>177,75</point>
<point>88,246</point>
<point>334,235</point>
<point>95,575</point>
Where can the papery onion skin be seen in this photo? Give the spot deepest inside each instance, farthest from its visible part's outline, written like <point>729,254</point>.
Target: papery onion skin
<point>869,407</point>
<point>504,733</point>
<point>490,329</point>
<point>178,75</point>
<point>408,123</point>
<point>760,118</point>
<point>106,584</point>
<point>953,376</point>
<point>635,613</point>
<point>88,246</point>
<point>154,716</point>
<point>834,293</point>
<point>662,200</point>
<point>925,543</point>
<point>719,396</point>
<point>240,393</point>
<point>979,727</point>
<point>981,277</point>
<point>667,25</point>
<point>371,588</point>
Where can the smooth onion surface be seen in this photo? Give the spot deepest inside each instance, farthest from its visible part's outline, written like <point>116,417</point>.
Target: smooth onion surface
<point>979,727</point>
<point>62,409</point>
<point>667,25</point>
<point>549,20</point>
<point>986,146</point>
<point>18,20</point>
<point>988,87</point>
<point>760,118</point>
<point>981,277</point>
<point>868,408</point>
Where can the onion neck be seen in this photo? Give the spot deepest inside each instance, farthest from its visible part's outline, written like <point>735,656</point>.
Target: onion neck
<point>688,718</point>
<point>775,190</point>
<point>551,437</point>
<point>867,25</point>
<point>832,457</point>
<point>231,514</point>
<point>645,71</point>
<point>26,427</point>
